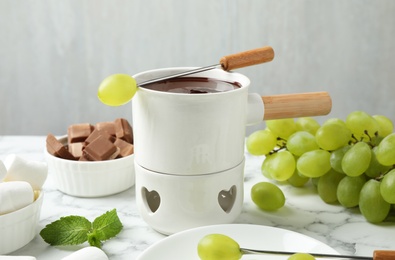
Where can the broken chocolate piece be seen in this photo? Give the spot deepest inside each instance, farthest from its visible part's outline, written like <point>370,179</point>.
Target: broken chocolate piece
<point>83,158</point>
<point>125,147</point>
<point>76,149</point>
<point>57,149</point>
<point>96,133</point>
<point>123,130</point>
<point>108,127</point>
<point>79,132</point>
<point>80,136</point>
<point>100,149</point>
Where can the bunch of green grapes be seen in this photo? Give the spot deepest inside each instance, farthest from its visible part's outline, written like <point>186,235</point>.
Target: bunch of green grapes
<point>351,161</point>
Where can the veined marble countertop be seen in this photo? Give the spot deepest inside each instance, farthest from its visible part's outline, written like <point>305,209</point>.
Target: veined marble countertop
<point>343,229</point>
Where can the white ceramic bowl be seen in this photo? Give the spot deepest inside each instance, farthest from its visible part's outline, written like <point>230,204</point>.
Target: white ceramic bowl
<point>18,228</point>
<point>91,179</point>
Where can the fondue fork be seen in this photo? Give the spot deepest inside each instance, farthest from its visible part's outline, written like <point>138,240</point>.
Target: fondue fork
<point>377,254</point>
<point>227,63</point>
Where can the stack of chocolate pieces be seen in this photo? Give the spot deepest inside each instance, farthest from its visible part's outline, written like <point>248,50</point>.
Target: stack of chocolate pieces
<point>85,142</point>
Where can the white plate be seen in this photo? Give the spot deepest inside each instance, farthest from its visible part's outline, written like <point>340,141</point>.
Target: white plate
<point>183,245</point>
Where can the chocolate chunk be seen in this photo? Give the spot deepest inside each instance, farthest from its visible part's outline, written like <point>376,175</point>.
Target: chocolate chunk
<point>123,130</point>
<point>100,149</point>
<point>57,149</point>
<point>83,158</point>
<point>125,147</point>
<point>96,133</point>
<point>76,149</point>
<point>81,136</point>
<point>79,132</point>
<point>108,127</point>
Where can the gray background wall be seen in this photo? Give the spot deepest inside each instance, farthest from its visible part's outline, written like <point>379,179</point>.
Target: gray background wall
<point>54,54</point>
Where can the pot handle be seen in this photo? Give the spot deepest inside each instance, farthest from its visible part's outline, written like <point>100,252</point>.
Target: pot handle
<point>287,106</point>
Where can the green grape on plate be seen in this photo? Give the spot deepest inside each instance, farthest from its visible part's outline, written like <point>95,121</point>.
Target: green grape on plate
<point>218,247</point>
<point>301,256</point>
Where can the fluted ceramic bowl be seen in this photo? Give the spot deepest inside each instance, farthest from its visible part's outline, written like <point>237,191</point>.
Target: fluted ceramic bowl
<point>91,179</point>
<point>19,227</point>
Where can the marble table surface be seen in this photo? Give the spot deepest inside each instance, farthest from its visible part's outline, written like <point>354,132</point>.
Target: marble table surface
<point>342,229</point>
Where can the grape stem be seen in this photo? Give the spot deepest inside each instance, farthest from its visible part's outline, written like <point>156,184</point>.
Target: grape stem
<point>370,142</point>
<point>282,144</point>
<point>355,139</point>
<point>381,176</point>
<point>277,150</point>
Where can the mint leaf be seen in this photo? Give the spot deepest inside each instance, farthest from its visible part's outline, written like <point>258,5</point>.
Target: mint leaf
<point>93,240</point>
<point>106,226</point>
<point>75,230</point>
<point>71,230</point>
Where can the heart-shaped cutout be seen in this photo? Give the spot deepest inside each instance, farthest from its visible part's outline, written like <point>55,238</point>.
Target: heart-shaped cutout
<point>226,198</point>
<point>151,199</point>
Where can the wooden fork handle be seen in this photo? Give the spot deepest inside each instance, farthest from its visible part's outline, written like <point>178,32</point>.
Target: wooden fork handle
<point>247,58</point>
<point>383,254</point>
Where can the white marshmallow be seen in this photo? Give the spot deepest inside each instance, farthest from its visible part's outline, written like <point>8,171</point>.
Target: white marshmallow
<point>91,253</point>
<point>9,257</point>
<point>19,169</point>
<point>3,171</point>
<point>15,195</point>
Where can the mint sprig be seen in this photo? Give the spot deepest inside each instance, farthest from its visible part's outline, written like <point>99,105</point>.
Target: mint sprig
<point>75,230</point>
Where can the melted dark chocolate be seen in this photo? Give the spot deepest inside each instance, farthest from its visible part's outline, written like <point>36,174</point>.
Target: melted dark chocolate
<point>193,85</point>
